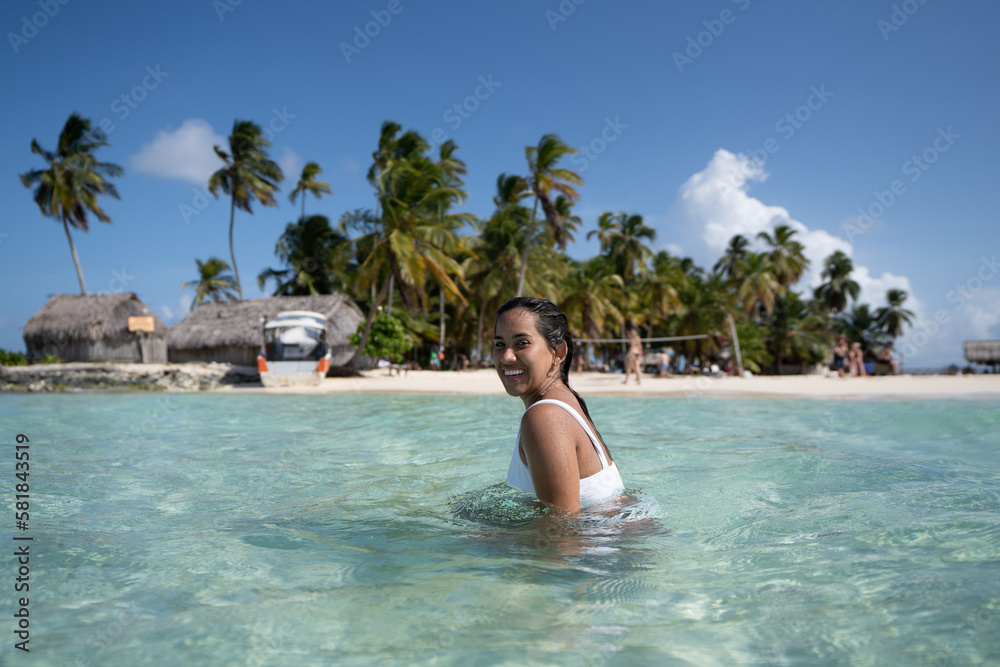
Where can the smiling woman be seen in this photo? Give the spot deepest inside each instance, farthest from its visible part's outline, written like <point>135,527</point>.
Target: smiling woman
<point>559,456</point>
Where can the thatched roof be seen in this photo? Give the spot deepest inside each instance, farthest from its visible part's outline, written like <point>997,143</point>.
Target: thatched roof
<point>67,318</point>
<point>237,323</point>
<point>982,351</point>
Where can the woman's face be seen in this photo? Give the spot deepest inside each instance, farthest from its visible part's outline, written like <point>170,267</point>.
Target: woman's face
<point>527,366</point>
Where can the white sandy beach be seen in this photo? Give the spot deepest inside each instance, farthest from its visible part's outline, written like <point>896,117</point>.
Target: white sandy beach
<point>485,382</point>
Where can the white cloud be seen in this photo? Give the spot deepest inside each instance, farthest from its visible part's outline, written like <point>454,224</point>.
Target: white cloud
<point>937,340</point>
<point>715,205</point>
<point>674,249</point>
<point>185,154</point>
<point>173,315</point>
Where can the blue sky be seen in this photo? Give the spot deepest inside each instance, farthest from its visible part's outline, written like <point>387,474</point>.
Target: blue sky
<point>708,119</point>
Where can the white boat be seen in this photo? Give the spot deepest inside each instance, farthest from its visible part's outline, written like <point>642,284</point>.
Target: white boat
<point>295,351</point>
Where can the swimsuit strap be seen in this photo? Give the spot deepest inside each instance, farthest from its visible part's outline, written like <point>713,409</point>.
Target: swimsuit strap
<point>579,418</point>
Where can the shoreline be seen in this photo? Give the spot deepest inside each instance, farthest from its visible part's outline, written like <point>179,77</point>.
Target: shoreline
<point>484,382</point>
<point>213,377</point>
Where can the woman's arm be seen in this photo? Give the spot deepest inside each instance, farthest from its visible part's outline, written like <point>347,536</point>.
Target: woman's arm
<point>548,439</point>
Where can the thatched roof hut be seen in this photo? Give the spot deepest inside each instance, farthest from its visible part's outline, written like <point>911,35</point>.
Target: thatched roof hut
<point>231,331</point>
<point>96,327</point>
<point>985,352</point>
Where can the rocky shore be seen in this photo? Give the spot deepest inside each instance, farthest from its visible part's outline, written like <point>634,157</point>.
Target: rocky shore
<point>154,377</point>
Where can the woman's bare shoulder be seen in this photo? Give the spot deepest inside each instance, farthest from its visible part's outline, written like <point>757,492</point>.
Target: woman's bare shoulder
<point>547,419</point>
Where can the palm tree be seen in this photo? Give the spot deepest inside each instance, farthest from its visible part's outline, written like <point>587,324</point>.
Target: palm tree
<point>859,324</point>
<point>731,262</point>
<point>625,247</point>
<point>249,173</point>
<point>661,288</point>
<point>496,251</point>
<point>796,334</point>
<point>412,240</point>
<point>312,252</point>
<point>308,184</point>
<point>67,190</point>
<point>590,298</point>
<point>786,255</point>
<point>892,317</point>
<point>838,287</point>
<point>706,302</point>
<point>757,285</point>
<point>213,283</point>
<point>544,177</point>
<point>562,236</point>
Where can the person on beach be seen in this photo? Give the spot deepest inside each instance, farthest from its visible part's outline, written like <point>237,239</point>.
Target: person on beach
<point>885,356</point>
<point>633,360</point>
<point>856,361</point>
<point>840,352</point>
<point>559,456</point>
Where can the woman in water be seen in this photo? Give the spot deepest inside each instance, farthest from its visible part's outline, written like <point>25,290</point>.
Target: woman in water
<point>559,456</point>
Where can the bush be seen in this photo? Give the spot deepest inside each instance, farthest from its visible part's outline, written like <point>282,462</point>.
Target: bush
<point>50,359</point>
<point>12,358</point>
<point>387,339</point>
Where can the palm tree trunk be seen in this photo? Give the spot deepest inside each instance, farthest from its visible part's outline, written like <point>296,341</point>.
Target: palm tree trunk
<point>76,260</point>
<point>232,255</point>
<point>480,352</point>
<point>388,303</point>
<point>527,248</point>
<point>441,320</point>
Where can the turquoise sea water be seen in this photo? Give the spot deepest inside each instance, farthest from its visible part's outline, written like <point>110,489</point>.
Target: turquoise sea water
<point>221,529</point>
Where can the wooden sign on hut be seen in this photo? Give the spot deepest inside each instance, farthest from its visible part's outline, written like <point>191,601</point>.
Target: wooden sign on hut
<point>97,328</point>
<point>232,331</point>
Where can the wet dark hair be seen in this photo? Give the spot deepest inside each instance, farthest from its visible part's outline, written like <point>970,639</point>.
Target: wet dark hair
<point>554,327</point>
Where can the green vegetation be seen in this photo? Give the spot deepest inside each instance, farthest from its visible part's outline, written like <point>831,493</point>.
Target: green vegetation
<point>213,283</point>
<point>308,184</point>
<point>50,359</point>
<point>249,174</point>
<point>12,358</point>
<point>446,272</point>
<point>387,338</point>
<point>67,190</point>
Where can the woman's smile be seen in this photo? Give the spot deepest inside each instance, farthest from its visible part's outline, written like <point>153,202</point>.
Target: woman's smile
<point>522,356</point>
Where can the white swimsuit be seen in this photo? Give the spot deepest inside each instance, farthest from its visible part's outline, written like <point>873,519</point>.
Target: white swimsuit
<point>601,486</point>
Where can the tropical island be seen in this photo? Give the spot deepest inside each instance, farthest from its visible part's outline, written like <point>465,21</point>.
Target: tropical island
<point>422,279</point>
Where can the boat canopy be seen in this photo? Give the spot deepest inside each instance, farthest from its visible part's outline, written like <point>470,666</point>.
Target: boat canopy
<point>297,318</point>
